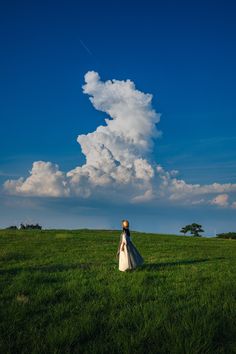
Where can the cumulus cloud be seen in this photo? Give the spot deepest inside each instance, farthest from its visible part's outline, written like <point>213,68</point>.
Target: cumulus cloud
<point>117,156</point>
<point>45,180</point>
<point>221,200</point>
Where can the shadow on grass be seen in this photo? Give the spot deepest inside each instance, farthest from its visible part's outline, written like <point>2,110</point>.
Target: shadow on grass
<point>12,256</point>
<point>156,266</point>
<point>52,268</point>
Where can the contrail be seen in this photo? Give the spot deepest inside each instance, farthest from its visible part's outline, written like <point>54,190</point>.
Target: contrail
<point>85,47</point>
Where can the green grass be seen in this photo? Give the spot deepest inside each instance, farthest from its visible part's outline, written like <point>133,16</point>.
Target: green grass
<point>61,292</point>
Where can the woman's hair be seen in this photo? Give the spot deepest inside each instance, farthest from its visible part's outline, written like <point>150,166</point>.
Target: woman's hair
<point>125,226</point>
<point>126,230</point>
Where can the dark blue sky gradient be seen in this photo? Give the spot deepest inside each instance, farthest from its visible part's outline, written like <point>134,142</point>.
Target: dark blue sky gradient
<point>183,52</point>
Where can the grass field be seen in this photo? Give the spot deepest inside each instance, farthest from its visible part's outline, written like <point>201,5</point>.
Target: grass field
<point>61,292</point>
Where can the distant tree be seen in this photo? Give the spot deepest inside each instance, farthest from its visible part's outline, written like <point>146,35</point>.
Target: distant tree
<point>194,229</point>
<point>11,227</point>
<point>228,235</point>
<point>37,226</point>
<point>30,227</point>
<point>185,229</point>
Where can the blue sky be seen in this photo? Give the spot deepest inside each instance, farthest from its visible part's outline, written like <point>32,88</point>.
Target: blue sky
<point>182,52</point>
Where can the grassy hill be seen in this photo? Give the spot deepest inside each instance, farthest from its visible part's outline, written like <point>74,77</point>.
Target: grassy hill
<point>61,292</point>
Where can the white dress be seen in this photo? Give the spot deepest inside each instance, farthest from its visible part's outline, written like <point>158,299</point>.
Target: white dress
<point>129,257</point>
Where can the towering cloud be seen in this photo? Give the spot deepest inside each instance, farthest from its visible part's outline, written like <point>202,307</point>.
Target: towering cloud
<point>117,156</point>
<point>116,153</point>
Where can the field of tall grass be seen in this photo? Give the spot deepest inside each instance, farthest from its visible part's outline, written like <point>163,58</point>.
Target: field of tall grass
<point>61,292</point>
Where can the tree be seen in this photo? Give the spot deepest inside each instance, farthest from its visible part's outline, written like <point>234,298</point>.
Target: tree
<point>30,226</point>
<point>11,227</point>
<point>185,229</point>
<point>194,229</point>
<point>228,235</point>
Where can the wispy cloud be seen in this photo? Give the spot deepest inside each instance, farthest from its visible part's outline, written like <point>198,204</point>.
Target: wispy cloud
<point>8,174</point>
<point>85,47</point>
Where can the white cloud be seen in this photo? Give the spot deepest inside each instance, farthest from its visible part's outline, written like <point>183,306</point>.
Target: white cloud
<point>179,189</point>
<point>233,205</point>
<point>117,157</point>
<point>221,200</point>
<point>198,201</point>
<point>45,180</point>
<point>146,197</point>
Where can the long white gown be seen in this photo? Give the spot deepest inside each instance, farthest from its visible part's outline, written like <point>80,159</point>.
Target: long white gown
<point>129,257</point>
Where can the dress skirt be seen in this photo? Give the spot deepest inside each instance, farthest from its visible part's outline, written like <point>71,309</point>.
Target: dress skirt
<point>129,258</point>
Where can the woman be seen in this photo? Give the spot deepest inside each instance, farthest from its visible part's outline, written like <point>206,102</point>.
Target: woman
<point>129,257</point>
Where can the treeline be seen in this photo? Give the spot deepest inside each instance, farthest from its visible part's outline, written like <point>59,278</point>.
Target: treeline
<point>229,235</point>
<point>25,227</point>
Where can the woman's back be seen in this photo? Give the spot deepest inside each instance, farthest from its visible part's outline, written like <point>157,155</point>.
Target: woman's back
<point>129,257</point>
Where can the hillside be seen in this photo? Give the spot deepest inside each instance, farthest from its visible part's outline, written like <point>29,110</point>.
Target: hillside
<point>61,292</point>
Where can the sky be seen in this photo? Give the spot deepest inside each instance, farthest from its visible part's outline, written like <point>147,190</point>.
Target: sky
<point>122,109</point>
